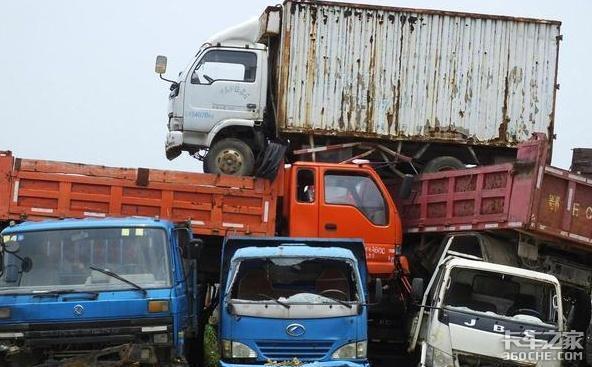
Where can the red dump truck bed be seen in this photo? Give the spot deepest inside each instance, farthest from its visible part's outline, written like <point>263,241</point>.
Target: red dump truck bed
<point>215,205</point>
<point>526,195</point>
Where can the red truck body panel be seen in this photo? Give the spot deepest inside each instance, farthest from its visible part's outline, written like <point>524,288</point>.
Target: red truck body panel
<point>526,195</point>
<point>215,205</point>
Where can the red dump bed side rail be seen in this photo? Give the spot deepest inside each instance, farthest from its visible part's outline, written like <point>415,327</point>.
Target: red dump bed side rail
<point>526,195</point>
<point>215,205</point>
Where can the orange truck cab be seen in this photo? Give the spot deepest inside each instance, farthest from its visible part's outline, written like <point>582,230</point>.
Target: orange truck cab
<point>343,201</point>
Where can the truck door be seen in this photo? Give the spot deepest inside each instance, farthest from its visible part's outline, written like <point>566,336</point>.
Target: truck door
<point>224,84</point>
<point>353,205</point>
<point>304,203</point>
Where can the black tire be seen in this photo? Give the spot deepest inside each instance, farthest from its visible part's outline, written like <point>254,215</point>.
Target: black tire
<point>444,163</point>
<point>269,162</point>
<point>230,156</point>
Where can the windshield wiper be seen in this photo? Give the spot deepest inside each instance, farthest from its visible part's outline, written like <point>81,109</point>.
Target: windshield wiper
<point>338,301</point>
<point>119,277</point>
<point>275,300</point>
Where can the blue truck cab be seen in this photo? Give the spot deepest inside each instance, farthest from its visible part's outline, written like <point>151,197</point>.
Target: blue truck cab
<point>293,300</point>
<point>93,291</point>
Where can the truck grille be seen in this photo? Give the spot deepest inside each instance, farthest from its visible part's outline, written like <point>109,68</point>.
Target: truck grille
<point>303,350</point>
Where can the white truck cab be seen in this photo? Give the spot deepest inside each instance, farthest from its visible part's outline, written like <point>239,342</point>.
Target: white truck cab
<point>476,313</point>
<point>218,101</point>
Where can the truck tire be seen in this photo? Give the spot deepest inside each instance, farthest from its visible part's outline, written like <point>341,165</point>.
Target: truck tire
<point>269,162</point>
<point>230,156</point>
<point>444,163</point>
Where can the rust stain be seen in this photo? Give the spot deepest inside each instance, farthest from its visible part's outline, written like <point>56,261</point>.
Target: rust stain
<point>503,126</point>
<point>397,104</point>
<point>371,83</point>
<point>311,67</point>
<point>284,74</point>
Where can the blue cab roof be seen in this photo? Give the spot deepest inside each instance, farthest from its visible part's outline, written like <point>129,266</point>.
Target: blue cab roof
<point>294,250</point>
<point>55,224</point>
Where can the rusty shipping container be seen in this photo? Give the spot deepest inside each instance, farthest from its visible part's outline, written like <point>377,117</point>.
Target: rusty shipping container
<point>410,74</point>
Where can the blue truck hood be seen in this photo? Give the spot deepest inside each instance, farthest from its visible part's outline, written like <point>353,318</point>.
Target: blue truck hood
<point>77,307</point>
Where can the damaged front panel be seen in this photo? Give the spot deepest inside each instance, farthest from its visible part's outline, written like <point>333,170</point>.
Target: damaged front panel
<point>368,71</point>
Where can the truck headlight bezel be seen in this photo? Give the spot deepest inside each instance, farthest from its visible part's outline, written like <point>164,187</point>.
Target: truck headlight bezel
<point>236,350</point>
<point>355,350</point>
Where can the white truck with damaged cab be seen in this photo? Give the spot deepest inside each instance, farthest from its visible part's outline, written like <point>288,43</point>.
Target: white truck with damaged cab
<point>219,100</point>
<point>476,313</point>
<point>316,74</point>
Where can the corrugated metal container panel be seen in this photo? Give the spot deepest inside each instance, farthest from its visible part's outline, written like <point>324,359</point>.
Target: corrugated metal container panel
<point>415,74</point>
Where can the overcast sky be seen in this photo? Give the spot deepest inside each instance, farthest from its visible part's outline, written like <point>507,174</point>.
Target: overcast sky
<point>78,83</point>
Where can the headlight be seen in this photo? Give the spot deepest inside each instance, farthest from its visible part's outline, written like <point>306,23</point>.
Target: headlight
<point>351,351</point>
<point>232,349</point>
<point>437,358</point>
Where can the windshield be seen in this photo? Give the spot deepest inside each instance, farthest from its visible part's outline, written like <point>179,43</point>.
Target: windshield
<point>295,281</point>
<point>61,259</point>
<point>509,296</point>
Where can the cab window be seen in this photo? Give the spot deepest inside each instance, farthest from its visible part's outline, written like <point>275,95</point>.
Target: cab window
<point>305,186</point>
<point>356,190</point>
<point>239,66</point>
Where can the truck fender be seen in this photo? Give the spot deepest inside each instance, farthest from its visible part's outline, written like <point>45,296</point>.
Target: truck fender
<point>224,124</point>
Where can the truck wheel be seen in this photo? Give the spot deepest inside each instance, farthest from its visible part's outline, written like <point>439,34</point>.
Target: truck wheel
<point>444,163</point>
<point>230,156</point>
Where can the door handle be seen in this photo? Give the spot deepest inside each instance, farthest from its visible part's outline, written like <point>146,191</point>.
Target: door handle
<point>251,106</point>
<point>330,226</point>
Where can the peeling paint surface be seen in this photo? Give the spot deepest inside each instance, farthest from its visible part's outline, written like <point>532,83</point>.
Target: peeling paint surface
<point>415,74</point>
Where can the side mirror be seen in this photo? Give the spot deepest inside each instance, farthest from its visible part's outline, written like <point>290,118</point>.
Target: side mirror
<point>194,247</point>
<point>378,291</point>
<point>161,64</point>
<point>406,185</point>
<point>417,289</point>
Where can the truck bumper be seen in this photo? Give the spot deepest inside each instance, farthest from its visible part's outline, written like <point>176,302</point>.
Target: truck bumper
<point>173,144</point>
<point>311,364</point>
